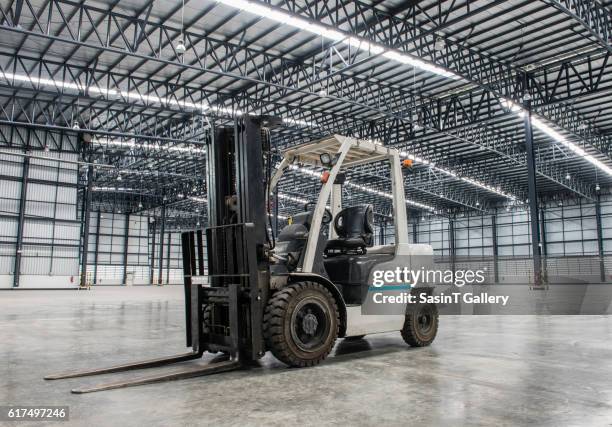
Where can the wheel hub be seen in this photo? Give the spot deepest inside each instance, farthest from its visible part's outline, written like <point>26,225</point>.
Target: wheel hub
<point>310,323</point>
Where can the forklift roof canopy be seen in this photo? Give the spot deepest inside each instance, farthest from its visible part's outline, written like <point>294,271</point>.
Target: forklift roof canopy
<point>362,151</point>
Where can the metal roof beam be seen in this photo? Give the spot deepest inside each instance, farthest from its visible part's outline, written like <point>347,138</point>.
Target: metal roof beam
<point>501,79</point>
<point>592,16</point>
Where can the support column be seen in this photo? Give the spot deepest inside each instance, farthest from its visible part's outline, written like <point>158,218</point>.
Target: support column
<point>543,245</point>
<point>382,228</point>
<point>600,246</point>
<point>451,242</point>
<point>533,201</point>
<point>86,220</point>
<point>97,249</point>
<point>544,249</point>
<point>25,170</point>
<point>161,245</point>
<point>168,259</point>
<point>415,238</point>
<point>495,247</point>
<point>152,269</point>
<point>126,239</point>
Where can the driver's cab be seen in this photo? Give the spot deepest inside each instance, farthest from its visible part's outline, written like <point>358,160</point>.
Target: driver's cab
<point>345,254</point>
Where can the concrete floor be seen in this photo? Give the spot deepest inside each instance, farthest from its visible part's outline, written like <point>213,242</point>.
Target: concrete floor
<point>505,370</point>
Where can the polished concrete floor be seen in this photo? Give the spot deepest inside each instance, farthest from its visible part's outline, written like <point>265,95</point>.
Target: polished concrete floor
<point>489,371</point>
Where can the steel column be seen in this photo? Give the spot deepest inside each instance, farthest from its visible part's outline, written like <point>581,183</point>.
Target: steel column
<point>600,246</point>
<point>495,247</point>
<point>161,245</point>
<point>152,269</point>
<point>168,259</point>
<point>543,245</point>
<point>543,233</point>
<point>126,238</point>
<point>415,238</point>
<point>25,171</point>
<point>533,200</point>
<point>451,242</point>
<point>97,249</point>
<point>86,220</point>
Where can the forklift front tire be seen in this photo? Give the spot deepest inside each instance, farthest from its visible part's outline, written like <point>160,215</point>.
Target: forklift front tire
<point>421,325</point>
<point>301,324</point>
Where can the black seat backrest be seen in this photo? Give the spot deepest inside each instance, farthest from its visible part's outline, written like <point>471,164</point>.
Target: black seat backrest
<point>355,229</point>
<point>355,222</point>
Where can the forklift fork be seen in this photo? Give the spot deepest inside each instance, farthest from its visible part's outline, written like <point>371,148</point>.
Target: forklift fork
<point>195,295</point>
<point>210,369</point>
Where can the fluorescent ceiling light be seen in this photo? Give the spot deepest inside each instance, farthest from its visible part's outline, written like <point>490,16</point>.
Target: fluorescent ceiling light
<point>148,146</point>
<point>312,173</point>
<point>285,18</point>
<point>114,189</point>
<point>136,96</point>
<point>475,182</point>
<point>292,198</point>
<point>109,93</point>
<point>546,129</point>
<point>198,199</point>
<point>403,58</point>
<point>303,123</point>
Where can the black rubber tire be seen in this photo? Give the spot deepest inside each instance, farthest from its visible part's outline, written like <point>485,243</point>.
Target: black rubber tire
<point>415,332</point>
<point>280,322</point>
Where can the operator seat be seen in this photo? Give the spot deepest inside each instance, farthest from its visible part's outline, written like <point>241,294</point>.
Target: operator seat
<point>355,229</point>
<point>291,245</point>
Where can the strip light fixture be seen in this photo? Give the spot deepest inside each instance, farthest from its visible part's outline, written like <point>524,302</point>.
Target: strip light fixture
<point>312,173</point>
<point>148,146</point>
<point>136,96</point>
<point>542,126</point>
<point>475,182</point>
<point>285,18</point>
<point>394,55</point>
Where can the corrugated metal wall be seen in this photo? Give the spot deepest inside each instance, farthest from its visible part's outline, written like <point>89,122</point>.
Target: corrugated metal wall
<point>172,271</point>
<point>570,237</point>
<point>110,249</point>
<point>50,229</point>
<point>571,230</point>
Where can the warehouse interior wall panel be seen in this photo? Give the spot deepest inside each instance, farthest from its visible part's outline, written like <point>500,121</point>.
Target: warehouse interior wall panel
<point>111,253</point>
<point>51,232</point>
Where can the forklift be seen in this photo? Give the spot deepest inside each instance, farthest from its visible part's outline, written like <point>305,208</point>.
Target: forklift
<point>248,291</point>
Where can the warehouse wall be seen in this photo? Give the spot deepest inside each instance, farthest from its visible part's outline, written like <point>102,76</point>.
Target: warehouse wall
<point>107,251</point>
<point>172,271</point>
<point>50,229</point>
<point>569,237</point>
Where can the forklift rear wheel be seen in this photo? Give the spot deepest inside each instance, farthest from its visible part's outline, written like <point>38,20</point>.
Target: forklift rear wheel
<point>301,324</point>
<point>421,325</point>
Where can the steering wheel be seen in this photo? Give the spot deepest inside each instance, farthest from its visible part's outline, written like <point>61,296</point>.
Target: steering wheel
<point>327,215</point>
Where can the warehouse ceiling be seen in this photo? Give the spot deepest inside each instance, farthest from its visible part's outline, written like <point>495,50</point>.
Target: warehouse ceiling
<point>447,82</point>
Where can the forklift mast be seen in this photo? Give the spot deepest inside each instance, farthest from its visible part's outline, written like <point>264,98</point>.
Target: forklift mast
<point>226,313</point>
